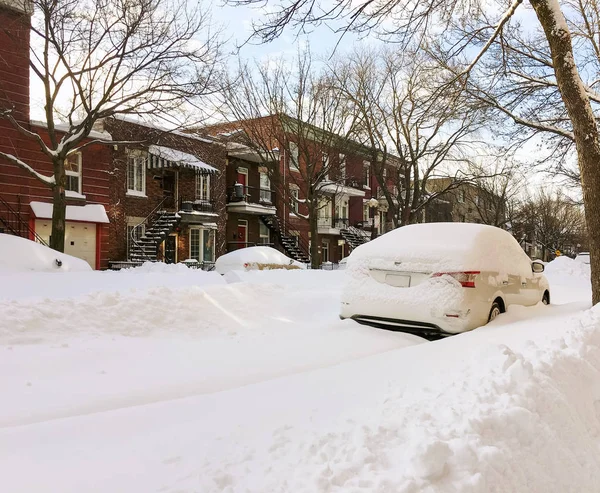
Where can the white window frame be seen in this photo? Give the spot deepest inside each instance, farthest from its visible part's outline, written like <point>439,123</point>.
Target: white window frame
<point>324,248</point>
<point>342,160</point>
<point>201,233</point>
<point>78,174</point>
<point>264,182</point>
<point>261,228</point>
<point>461,196</point>
<point>367,175</point>
<point>294,159</point>
<point>136,191</point>
<point>201,180</point>
<point>366,212</point>
<point>325,165</point>
<point>294,194</point>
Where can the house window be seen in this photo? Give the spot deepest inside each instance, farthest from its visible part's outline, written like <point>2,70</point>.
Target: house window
<point>264,234</point>
<point>461,196</point>
<point>325,165</point>
<point>73,172</point>
<point>325,251</point>
<point>136,175</point>
<point>265,188</point>
<point>294,156</point>
<point>134,234</point>
<point>202,187</point>
<point>384,174</point>
<point>202,244</point>
<point>366,212</point>
<point>366,174</point>
<point>342,158</point>
<point>294,193</point>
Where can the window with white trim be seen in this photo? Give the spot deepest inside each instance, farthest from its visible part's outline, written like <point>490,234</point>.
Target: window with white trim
<point>73,172</point>
<point>294,156</point>
<point>366,174</point>
<point>325,251</point>
<point>342,160</point>
<point>264,234</point>
<point>294,196</point>
<point>202,244</point>
<point>203,187</point>
<point>265,188</point>
<point>325,165</point>
<point>136,175</point>
<point>461,196</point>
<point>366,212</point>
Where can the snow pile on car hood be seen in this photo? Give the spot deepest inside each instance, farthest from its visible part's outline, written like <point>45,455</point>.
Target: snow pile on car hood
<point>445,247</point>
<point>159,268</point>
<point>20,254</point>
<point>253,256</point>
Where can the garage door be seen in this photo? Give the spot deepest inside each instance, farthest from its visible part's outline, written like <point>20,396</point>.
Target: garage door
<point>80,238</point>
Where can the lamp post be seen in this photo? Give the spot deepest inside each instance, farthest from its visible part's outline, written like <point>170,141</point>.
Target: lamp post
<point>373,203</point>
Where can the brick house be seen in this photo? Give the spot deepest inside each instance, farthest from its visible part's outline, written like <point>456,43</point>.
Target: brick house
<point>167,197</point>
<point>264,166</point>
<point>25,202</point>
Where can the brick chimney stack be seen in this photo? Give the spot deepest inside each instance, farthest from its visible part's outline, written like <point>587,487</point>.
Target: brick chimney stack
<point>15,25</point>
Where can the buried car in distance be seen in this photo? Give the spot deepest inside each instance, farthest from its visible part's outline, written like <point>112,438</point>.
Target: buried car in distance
<point>255,258</point>
<point>440,278</point>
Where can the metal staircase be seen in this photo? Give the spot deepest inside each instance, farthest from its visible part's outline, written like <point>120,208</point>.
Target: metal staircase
<point>354,236</point>
<point>12,223</point>
<point>158,225</point>
<point>294,246</point>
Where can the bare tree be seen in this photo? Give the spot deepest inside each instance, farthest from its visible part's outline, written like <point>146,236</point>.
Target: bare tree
<point>422,21</point>
<point>106,58</point>
<point>414,132</point>
<point>552,221</point>
<point>298,124</point>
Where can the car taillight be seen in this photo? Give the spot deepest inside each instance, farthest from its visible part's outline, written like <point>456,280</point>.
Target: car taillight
<point>466,279</point>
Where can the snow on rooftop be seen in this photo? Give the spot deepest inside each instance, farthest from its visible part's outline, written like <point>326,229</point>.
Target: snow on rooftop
<point>167,130</point>
<point>89,213</point>
<point>447,247</point>
<point>63,127</point>
<point>181,158</point>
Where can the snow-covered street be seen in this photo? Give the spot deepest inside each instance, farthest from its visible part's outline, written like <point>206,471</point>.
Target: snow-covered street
<point>171,379</point>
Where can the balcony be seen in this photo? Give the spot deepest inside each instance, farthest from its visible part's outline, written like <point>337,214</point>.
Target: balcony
<point>196,210</point>
<point>250,200</point>
<point>331,225</point>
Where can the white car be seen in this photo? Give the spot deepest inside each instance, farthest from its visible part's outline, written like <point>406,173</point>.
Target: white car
<point>255,258</point>
<point>440,278</point>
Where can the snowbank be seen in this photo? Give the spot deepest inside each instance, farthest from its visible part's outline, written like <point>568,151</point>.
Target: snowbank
<point>565,266</point>
<point>445,247</point>
<point>569,280</point>
<point>22,255</point>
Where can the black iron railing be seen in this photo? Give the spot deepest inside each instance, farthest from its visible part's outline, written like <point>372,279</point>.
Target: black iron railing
<point>252,195</point>
<point>187,204</point>
<point>333,222</point>
<point>15,224</point>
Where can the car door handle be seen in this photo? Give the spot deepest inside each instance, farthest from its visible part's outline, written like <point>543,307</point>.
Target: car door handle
<point>505,283</point>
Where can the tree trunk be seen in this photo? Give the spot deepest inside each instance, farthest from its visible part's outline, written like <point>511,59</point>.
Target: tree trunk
<point>584,125</point>
<point>59,210</point>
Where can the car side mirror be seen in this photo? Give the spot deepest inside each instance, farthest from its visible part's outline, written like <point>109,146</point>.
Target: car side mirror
<point>537,267</point>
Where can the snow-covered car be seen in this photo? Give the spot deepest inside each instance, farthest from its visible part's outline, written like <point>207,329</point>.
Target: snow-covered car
<point>583,257</point>
<point>255,258</point>
<point>343,263</point>
<point>441,278</point>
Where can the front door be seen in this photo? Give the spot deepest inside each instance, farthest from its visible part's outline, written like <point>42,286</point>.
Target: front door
<point>171,249</point>
<point>242,233</point>
<point>168,186</point>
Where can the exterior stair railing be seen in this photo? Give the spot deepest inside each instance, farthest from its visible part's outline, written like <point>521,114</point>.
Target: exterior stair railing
<point>14,223</point>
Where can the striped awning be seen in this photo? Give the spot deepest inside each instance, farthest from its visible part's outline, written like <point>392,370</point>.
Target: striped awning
<point>166,157</point>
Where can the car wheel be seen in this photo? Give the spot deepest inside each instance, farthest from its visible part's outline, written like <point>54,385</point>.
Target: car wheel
<point>546,298</point>
<point>495,311</point>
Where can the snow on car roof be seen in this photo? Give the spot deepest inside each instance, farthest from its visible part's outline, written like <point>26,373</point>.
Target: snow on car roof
<point>446,247</point>
<point>256,254</point>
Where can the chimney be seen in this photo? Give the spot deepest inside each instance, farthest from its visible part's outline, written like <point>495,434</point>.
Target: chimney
<point>15,25</point>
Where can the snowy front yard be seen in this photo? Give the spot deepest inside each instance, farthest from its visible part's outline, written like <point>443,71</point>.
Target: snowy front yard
<point>179,380</point>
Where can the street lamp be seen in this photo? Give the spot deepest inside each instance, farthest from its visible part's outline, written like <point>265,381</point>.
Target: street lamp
<point>373,203</point>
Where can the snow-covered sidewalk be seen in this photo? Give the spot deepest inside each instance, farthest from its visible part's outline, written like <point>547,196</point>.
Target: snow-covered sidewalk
<point>256,386</point>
